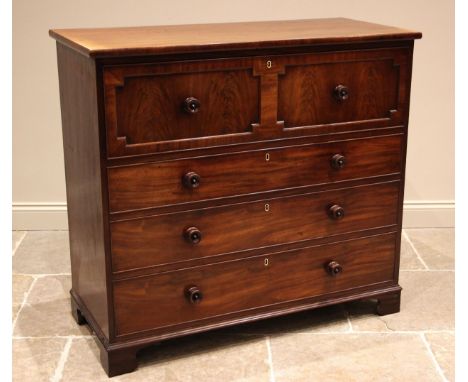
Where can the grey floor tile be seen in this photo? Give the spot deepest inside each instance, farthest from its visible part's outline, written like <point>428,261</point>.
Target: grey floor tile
<point>21,285</point>
<point>47,311</point>
<point>43,252</point>
<point>427,303</point>
<point>408,257</point>
<point>18,236</point>
<point>14,311</point>
<point>36,359</point>
<point>202,358</point>
<point>443,347</point>
<point>351,358</point>
<point>435,246</point>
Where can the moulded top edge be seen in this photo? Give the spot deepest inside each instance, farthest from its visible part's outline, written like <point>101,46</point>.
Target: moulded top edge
<point>163,39</point>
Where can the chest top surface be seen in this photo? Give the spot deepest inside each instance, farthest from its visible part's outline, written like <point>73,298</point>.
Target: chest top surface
<point>148,40</point>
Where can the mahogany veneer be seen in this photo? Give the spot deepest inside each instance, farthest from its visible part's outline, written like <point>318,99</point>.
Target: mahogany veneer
<point>224,173</point>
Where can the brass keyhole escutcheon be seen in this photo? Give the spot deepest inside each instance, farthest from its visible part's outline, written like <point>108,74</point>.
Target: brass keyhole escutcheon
<point>269,64</point>
<point>266,262</point>
<point>267,157</point>
<point>267,207</point>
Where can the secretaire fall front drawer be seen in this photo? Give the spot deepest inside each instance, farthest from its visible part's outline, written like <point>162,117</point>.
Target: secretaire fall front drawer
<point>198,293</point>
<point>140,186</point>
<point>204,233</point>
<point>157,107</point>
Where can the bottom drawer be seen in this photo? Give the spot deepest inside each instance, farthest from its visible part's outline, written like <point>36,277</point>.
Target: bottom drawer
<point>183,296</point>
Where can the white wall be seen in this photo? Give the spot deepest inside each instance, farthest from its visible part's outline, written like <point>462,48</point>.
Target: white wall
<point>38,171</point>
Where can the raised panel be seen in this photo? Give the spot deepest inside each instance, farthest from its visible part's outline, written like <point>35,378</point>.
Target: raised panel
<point>306,92</point>
<point>150,108</point>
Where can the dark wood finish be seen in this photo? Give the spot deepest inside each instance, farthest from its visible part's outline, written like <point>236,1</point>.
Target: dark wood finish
<point>227,36</point>
<point>118,361</point>
<point>149,104</point>
<point>191,105</point>
<point>338,161</point>
<point>246,284</point>
<point>334,268</point>
<point>191,180</point>
<point>388,303</point>
<point>167,267</point>
<point>76,313</point>
<point>337,212</point>
<point>222,174</point>
<point>86,213</point>
<point>146,115</point>
<point>142,243</point>
<point>314,94</point>
<point>193,294</point>
<point>156,184</point>
<point>192,235</point>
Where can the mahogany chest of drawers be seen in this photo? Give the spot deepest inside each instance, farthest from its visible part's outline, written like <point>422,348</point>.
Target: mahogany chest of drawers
<point>225,173</point>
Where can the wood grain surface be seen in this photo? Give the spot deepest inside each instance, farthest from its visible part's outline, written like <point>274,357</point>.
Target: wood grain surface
<point>85,189</point>
<point>160,239</point>
<point>150,109</point>
<point>306,92</point>
<point>131,41</point>
<point>156,184</point>
<point>247,284</point>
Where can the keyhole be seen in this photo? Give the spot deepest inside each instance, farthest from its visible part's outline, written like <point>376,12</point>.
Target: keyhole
<point>266,262</point>
<point>269,64</point>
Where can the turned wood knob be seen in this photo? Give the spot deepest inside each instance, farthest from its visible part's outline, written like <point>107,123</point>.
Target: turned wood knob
<point>191,180</point>
<point>336,212</point>
<point>341,92</point>
<point>338,161</point>
<point>192,235</point>
<point>191,105</point>
<point>193,294</point>
<point>334,268</point>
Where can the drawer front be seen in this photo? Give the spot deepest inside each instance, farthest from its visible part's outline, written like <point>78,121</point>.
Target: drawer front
<point>232,287</point>
<point>170,106</point>
<point>142,186</point>
<point>175,237</point>
<point>152,104</point>
<point>338,92</point>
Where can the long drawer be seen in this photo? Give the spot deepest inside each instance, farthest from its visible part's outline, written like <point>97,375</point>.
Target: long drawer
<point>168,106</point>
<point>140,186</point>
<point>177,237</point>
<point>209,291</point>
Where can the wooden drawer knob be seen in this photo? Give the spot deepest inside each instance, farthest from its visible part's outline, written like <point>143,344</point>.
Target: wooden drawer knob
<point>336,212</point>
<point>191,105</point>
<point>191,180</point>
<point>192,235</point>
<point>341,92</point>
<point>193,294</point>
<point>338,161</point>
<point>334,268</point>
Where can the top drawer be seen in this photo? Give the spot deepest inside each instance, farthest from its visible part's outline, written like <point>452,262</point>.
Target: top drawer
<point>180,105</point>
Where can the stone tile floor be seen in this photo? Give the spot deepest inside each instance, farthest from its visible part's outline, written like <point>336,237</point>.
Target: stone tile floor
<point>341,343</point>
